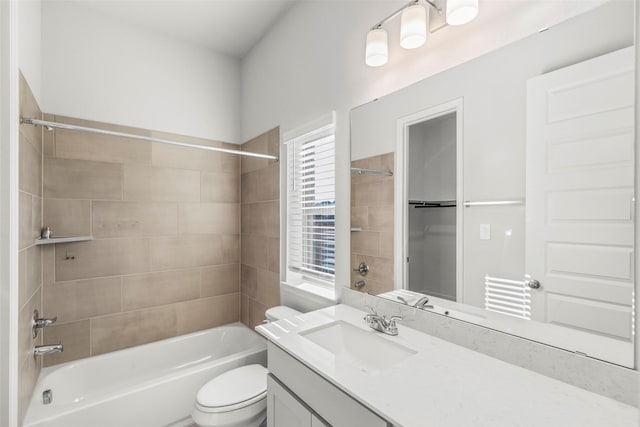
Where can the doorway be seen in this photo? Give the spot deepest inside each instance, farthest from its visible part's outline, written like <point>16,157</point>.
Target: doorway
<point>429,201</point>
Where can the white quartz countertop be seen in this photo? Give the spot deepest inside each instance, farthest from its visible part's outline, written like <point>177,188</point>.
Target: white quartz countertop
<point>444,384</point>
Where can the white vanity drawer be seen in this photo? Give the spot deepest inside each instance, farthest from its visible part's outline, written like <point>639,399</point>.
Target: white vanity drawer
<point>332,404</point>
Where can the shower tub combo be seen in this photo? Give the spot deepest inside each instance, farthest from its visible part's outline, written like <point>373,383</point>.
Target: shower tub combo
<point>149,385</point>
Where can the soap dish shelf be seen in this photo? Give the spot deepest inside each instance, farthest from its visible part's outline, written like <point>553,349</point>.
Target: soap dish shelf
<point>67,239</point>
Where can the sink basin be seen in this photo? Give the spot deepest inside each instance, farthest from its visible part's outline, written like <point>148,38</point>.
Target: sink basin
<point>367,350</point>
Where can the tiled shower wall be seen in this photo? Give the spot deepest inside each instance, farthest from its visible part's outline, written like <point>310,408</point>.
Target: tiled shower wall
<point>165,254</point>
<point>260,272</point>
<point>372,213</point>
<point>29,255</point>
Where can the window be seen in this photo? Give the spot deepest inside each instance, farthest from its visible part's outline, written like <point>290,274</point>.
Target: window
<point>311,205</point>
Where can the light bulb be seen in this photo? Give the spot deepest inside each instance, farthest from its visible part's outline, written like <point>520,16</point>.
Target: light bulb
<point>460,12</point>
<point>377,51</point>
<point>413,27</point>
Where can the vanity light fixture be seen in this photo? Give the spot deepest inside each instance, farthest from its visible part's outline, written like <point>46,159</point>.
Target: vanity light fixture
<point>413,26</point>
<point>460,12</point>
<point>377,52</point>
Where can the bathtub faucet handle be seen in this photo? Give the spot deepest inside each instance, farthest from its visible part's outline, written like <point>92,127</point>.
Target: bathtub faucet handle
<point>41,322</point>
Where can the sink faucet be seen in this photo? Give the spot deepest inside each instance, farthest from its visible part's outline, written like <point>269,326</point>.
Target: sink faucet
<point>40,350</point>
<point>381,323</point>
<point>421,303</point>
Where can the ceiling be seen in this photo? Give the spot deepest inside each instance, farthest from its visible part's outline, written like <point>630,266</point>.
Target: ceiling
<point>230,27</point>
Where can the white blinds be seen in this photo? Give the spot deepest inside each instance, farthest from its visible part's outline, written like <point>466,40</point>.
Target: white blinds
<point>511,297</point>
<point>311,204</point>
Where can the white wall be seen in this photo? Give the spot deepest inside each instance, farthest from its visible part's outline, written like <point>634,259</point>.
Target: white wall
<point>29,41</point>
<point>312,62</point>
<point>432,159</point>
<point>98,68</point>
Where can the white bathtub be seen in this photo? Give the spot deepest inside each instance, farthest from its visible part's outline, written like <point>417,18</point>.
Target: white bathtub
<point>151,385</point>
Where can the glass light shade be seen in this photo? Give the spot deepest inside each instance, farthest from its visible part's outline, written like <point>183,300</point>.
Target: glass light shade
<point>413,27</point>
<point>460,12</point>
<point>377,51</point>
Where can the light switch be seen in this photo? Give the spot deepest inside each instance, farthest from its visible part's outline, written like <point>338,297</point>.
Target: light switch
<point>485,231</point>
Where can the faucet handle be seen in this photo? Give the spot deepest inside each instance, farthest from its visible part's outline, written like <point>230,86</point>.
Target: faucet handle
<point>44,321</point>
<point>392,320</point>
<point>391,325</point>
<point>40,322</point>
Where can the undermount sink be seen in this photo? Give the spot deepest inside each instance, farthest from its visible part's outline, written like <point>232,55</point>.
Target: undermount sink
<point>367,350</point>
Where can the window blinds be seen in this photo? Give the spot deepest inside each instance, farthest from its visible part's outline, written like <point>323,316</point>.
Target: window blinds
<point>311,204</point>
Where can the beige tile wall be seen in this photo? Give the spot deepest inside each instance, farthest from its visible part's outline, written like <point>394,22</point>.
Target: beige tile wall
<point>165,259</point>
<point>29,255</point>
<point>260,218</point>
<point>372,211</point>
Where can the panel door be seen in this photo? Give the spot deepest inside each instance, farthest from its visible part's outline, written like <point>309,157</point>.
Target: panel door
<point>317,422</point>
<point>283,408</point>
<point>580,195</point>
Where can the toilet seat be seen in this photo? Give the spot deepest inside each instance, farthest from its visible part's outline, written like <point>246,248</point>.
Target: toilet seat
<point>233,390</point>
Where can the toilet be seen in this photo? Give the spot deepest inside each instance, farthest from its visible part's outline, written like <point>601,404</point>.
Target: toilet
<point>237,398</point>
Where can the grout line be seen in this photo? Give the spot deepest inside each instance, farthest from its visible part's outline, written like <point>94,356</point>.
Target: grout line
<point>90,337</point>
<point>121,294</point>
<point>122,166</point>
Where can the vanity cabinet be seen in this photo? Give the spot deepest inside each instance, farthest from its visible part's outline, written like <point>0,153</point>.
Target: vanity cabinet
<point>284,409</point>
<point>298,397</point>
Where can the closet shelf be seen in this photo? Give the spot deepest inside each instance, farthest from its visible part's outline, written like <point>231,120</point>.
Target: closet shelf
<point>67,239</point>
<point>432,203</point>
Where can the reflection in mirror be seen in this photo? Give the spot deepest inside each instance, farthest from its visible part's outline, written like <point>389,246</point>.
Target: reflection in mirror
<point>430,178</point>
<point>512,196</point>
<point>372,224</point>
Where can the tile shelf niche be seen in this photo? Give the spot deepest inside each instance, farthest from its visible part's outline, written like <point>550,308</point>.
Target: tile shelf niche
<point>66,239</point>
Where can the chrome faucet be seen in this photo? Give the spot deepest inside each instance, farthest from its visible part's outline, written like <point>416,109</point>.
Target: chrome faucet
<point>421,303</point>
<point>40,350</point>
<point>381,323</point>
<point>41,322</point>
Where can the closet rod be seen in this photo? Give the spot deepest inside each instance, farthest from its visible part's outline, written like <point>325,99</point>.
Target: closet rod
<point>371,171</point>
<point>49,125</point>
<point>469,204</point>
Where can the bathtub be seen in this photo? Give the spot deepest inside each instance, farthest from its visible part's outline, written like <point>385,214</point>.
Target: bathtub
<point>151,385</point>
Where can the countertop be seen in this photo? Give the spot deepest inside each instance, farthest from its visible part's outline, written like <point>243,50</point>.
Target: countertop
<point>444,384</point>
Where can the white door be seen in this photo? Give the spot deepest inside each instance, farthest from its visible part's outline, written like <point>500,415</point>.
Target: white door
<point>579,195</point>
<point>317,422</point>
<point>283,408</point>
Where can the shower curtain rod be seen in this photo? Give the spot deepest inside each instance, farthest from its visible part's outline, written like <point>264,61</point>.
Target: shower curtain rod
<point>371,171</point>
<point>49,125</point>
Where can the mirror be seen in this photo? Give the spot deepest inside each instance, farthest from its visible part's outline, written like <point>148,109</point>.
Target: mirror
<point>503,188</point>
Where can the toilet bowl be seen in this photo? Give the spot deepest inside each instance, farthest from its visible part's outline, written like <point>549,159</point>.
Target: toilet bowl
<point>237,398</point>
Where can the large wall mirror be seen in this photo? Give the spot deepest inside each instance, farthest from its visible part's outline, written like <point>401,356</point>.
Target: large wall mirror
<point>501,191</point>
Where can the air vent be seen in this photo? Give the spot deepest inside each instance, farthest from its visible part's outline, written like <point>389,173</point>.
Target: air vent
<point>510,297</point>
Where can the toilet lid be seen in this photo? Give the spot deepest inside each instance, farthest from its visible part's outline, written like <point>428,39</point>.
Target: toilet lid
<point>237,387</point>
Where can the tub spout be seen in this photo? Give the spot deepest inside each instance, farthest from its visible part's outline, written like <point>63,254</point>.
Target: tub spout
<point>40,350</point>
